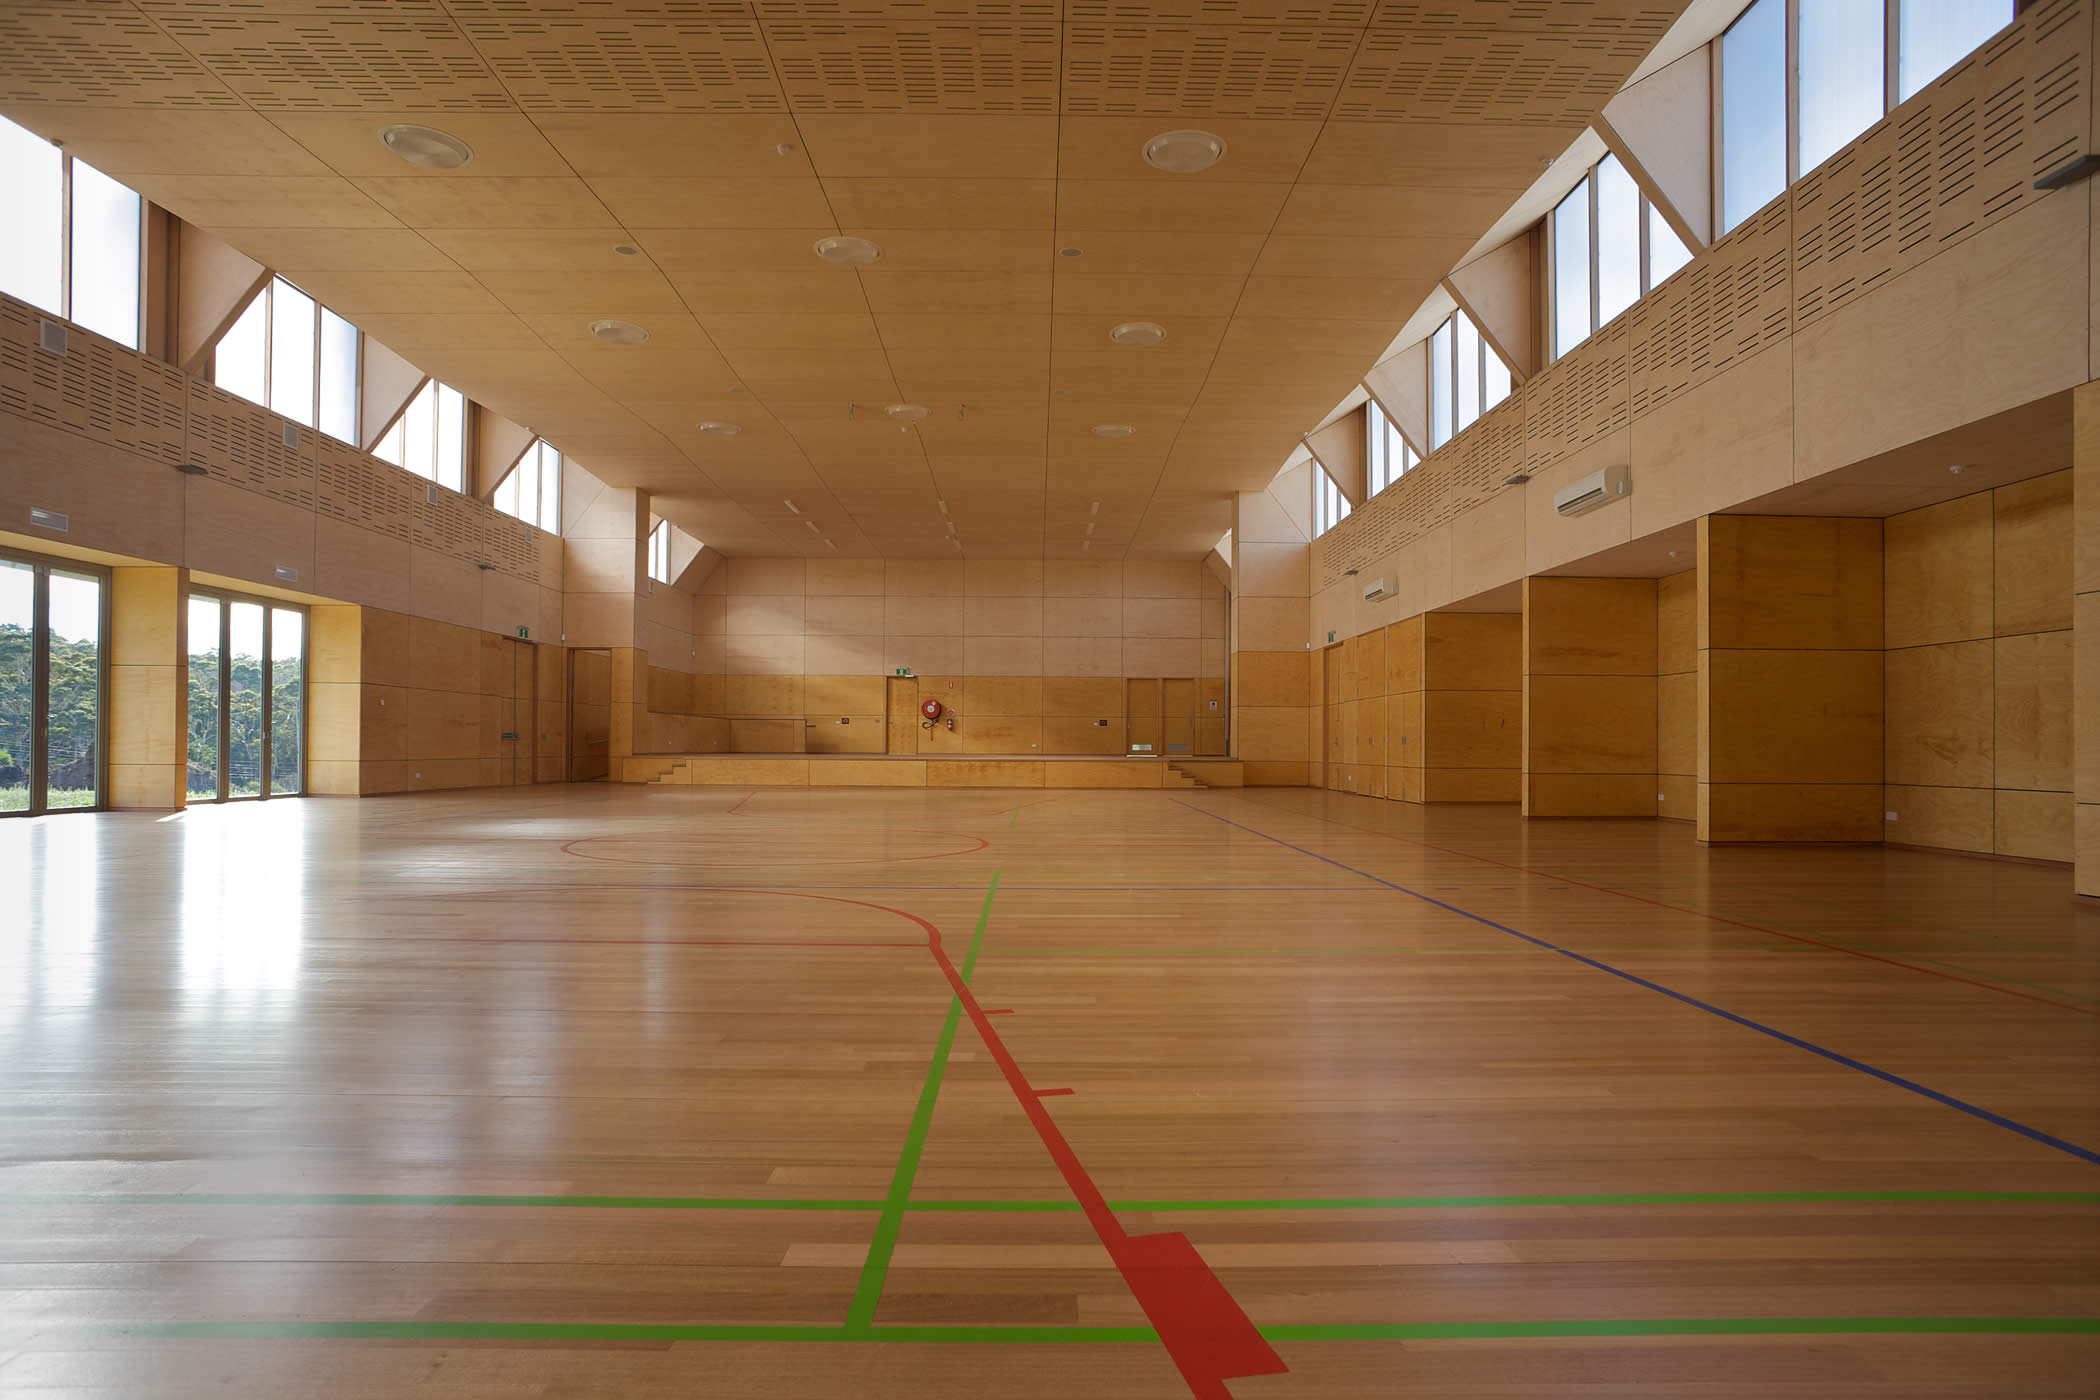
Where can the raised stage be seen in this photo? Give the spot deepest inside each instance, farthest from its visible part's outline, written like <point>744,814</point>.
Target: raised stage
<point>928,770</point>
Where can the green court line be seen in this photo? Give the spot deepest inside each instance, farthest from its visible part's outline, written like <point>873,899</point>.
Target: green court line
<point>868,1292</point>
<point>1315,1332</point>
<point>1635,1198</point>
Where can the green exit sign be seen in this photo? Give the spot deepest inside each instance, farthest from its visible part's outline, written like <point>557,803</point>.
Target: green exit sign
<point>525,631</point>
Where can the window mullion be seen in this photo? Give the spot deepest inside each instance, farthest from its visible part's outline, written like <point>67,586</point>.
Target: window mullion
<point>65,238</point>
<point>39,687</point>
<point>1793,91</point>
<point>1891,55</point>
<point>1596,230</point>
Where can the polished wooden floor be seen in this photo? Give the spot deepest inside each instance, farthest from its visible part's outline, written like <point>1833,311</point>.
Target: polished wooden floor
<point>610,1092</point>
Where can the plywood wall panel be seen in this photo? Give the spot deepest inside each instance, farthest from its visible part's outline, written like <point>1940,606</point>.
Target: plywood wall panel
<point>1940,715</point>
<point>2032,524</point>
<point>2033,710</point>
<point>1939,573</point>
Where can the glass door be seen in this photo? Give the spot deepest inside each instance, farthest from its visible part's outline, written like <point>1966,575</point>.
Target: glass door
<point>52,621</point>
<point>247,698</point>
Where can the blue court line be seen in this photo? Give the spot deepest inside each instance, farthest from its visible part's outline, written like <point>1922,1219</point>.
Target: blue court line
<point>2036,1134</point>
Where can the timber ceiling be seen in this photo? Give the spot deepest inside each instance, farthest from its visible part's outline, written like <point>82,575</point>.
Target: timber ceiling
<point>1370,143</point>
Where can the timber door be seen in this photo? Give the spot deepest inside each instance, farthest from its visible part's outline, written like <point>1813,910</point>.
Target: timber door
<point>901,708</point>
<point>1177,708</point>
<point>1142,712</point>
<point>519,711</point>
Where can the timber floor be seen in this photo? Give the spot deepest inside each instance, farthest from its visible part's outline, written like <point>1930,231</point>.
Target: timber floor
<point>602,1091</point>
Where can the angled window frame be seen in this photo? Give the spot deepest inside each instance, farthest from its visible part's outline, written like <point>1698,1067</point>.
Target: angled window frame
<point>261,316</point>
<point>545,503</point>
<point>1445,428</point>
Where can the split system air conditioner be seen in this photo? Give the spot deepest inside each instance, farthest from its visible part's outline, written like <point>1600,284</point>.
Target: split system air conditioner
<point>1596,489</point>
<point>1378,588</point>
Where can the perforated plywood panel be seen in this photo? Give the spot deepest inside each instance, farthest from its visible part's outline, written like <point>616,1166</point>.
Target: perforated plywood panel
<point>1158,70</point>
<point>856,67</point>
<point>242,444</point>
<point>1955,159</point>
<point>433,9</point>
<point>1332,13</point>
<point>935,11</point>
<point>1417,76</point>
<point>99,58</point>
<point>1714,314</point>
<point>1528,16</point>
<point>360,490</point>
<point>1465,473</point>
<point>97,389</point>
<point>294,63</point>
<point>637,65</point>
<point>706,10</point>
<point>1579,398</point>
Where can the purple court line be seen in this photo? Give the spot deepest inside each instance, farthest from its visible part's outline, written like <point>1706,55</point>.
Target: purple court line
<point>1911,1085</point>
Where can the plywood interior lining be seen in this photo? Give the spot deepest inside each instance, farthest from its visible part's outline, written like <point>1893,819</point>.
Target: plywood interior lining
<point>672,166</point>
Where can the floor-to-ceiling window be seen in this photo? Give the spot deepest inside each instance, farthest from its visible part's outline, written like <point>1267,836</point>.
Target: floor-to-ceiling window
<point>247,698</point>
<point>52,669</point>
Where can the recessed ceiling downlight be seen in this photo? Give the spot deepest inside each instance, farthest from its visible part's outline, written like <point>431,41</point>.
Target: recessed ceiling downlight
<point>1114,430</point>
<point>427,146</point>
<point>1184,152</point>
<point>847,252</point>
<point>619,332</point>
<point>907,412</point>
<point>1138,333</point>
<point>717,428</point>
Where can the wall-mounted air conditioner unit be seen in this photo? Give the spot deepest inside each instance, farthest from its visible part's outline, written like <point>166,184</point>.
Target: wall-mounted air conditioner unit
<point>1596,489</point>
<point>1378,588</point>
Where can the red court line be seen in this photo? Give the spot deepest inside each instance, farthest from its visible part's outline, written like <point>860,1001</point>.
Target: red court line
<point>741,801</point>
<point>1051,1093</point>
<point>1723,919</point>
<point>1205,1331</point>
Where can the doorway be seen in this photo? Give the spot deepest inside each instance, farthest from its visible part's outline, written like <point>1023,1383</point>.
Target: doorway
<point>590,715</point>
<point>901,710</point>
<point>53,667</point>
<point>247,698</point>
<point>520,713</point>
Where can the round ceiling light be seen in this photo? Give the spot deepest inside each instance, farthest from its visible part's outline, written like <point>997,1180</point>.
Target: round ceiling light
<point>847,252</point>
<point>718,428</point>
<point>1114,430</point>
<point>907,412</point>
<point>1184,152</point>
<point>619,332</point>
<point>1138,333</point>
<point>427,146</point>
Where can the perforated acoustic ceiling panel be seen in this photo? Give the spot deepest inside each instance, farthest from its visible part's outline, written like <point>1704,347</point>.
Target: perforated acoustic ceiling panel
<point>1155,70</point>
<point>911,11</point>
<point>829,67</point>
<point>631,65</point>
<point>313,63</point>
<point>99,58</point>
<point>1352,14</point>
<point>1528,16</point>
<point>1416,75</point>
<point>1956,158</point>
